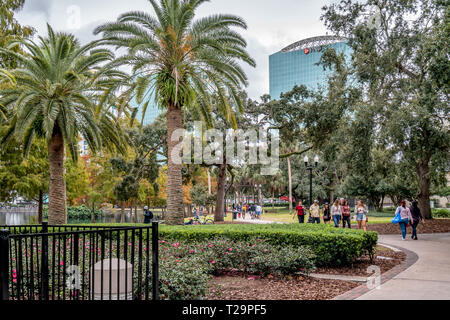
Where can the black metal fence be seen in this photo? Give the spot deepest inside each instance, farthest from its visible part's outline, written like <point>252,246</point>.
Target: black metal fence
<point>79,263</point>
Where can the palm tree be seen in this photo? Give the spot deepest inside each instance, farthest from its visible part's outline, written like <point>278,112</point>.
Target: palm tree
<point>183,62</point>
<point>52,97</point>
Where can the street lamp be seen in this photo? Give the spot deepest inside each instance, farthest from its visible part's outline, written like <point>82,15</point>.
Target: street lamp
<point>310,168</point>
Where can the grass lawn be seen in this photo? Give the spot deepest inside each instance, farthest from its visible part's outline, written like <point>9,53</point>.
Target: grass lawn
<point>284,216</point>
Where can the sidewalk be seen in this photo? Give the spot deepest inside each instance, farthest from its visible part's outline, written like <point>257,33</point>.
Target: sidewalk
<point>427,279</point>
<point>248,219</point>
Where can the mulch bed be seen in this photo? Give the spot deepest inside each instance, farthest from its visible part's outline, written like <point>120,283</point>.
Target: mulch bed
<point>430,226</point>
<point>247,287</point>
<point>293,288</point>
<point>359,267</point>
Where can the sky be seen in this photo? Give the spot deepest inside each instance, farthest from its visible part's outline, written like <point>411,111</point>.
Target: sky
<point>272,24</point>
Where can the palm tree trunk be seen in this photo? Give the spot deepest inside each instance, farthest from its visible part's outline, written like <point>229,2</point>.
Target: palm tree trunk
<point>220,201</point>
<point>175,215</point>
<point>57,188</point>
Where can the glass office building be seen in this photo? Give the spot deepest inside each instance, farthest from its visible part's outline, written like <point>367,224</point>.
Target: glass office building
<point>296,64</point>
<point>152,111</point>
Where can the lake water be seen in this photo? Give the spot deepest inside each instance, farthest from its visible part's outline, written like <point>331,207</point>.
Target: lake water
<point>23,218</point>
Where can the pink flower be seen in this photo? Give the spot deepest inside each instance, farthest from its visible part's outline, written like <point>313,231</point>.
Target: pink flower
<point>61,263</point>
<point>176,245</point>
<point>192,251</point>
<point>231,249</point>
<point>177,261</point>
<point>210,245</point>
<point>212,262</point>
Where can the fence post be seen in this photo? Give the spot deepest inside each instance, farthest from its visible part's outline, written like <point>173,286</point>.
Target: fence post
<point>44,262</point>
<point>4,264</point>
<point>155,261</point>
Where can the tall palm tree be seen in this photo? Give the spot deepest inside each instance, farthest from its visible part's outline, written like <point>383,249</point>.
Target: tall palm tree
<point>183,61</point>
<point>52,96</point>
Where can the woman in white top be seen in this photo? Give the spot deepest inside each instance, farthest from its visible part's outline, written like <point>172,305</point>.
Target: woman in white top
<point>336,213</point>
<point>361,215</point>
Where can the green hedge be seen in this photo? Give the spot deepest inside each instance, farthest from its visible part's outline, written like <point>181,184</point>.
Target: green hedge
<point>332,246</point>
<point>440,213</point>
<point>80,212</point>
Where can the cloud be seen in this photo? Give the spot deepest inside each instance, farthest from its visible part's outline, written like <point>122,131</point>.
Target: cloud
<point>38,6</point>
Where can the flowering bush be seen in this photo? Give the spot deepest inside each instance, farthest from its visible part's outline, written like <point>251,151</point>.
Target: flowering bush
<point>186,268</point>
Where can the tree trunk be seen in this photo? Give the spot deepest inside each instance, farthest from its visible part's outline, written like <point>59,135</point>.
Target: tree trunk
<point>135,212</point>
<point>175,215</point>
<point>219,214</point>
<point>423,175</point>
<point>57,189</point>
<point>93,212</point>
<point>290,184</point>
<point>122,212</point>
<point>40,206</point>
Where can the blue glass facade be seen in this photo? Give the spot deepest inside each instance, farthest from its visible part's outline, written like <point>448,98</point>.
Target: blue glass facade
<point>298,67</point>
<point>152,111</point>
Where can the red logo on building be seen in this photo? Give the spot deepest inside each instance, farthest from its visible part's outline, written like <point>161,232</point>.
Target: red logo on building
<point>306,51</point>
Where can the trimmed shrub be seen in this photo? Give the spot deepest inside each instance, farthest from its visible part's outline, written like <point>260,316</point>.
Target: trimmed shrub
<point>331,246</point>
<point>77,213</point>
<point>441,213</point>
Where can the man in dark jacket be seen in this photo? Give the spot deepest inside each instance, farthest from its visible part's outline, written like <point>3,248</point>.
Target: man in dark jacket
<point>148,215</point>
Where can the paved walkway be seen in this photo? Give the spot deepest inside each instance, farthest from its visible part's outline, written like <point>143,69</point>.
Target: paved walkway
<point>248,219</point>
<point>427,279</point>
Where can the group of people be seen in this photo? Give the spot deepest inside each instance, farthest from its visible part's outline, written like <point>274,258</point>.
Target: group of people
<point>198,212</point>
<point>409,216</point>
<point>339,212</point>
<point>254,210</point>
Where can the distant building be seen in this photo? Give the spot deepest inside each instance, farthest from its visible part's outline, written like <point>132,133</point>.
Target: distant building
<point>296,64</point>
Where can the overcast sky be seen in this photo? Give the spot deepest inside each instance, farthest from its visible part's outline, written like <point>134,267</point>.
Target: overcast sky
<point>272,24</point>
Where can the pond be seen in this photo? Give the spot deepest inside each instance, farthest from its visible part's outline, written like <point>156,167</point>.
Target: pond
<point>31,217</point>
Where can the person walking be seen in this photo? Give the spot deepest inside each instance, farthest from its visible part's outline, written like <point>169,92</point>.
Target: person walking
<point>148,215</point>
<point>361,212</point>
<point>300,210</point>
<point>405,218</point>
<point>258,211</point>
<point>336,213</point>
<point>244,211</point>
<point>417,217</point>
<point>326,213</point>
<point>314,212</point>
<point>346,215</point>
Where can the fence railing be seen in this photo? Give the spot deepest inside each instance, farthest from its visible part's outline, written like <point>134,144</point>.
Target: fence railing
<point>79,263</point>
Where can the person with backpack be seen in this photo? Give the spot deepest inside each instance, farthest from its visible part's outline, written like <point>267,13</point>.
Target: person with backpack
<point>300,211</point>
<point>417,217</point>
<point>148,215</point>
<point>346,215</point>
<point>326,213</point>
<point>405,218</point>
<point>336,213</point>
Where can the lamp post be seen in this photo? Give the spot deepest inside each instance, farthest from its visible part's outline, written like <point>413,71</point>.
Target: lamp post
<point>310,167</point>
